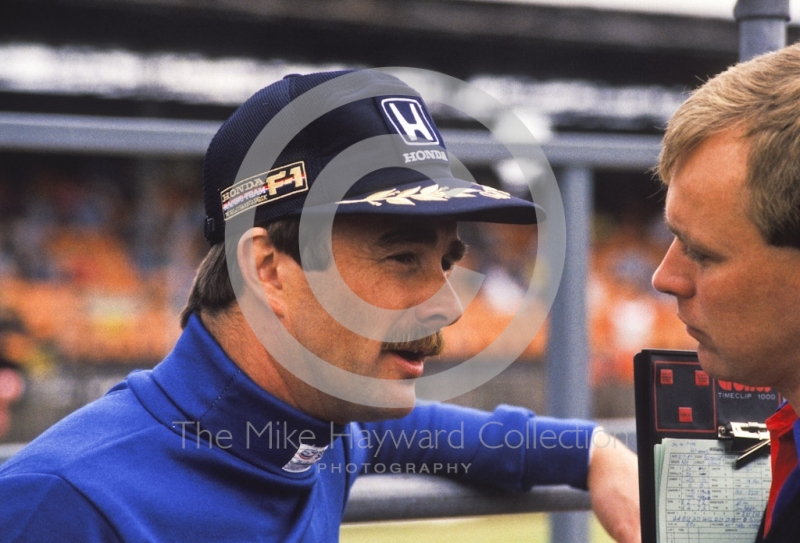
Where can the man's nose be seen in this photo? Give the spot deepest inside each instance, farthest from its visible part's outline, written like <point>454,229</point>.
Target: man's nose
<point>672,275</point>
<point>441,309</point>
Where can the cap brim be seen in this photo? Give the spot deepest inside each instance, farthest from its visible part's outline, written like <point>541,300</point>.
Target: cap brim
<point>436,198</point>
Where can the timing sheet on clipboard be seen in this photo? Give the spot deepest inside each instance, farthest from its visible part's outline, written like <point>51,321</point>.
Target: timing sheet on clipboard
<point>702,498</point>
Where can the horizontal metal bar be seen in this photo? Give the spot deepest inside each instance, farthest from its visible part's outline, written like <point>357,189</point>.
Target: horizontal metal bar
<point>399,497</point>
<point>105,135</point>
<point>603,150</point>
<point>588,150</point>
<point>165,137</point>
<point>7,450</point>
<point>419,496</point>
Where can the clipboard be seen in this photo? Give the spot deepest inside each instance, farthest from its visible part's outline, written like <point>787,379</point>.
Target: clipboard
<point>675,398</point>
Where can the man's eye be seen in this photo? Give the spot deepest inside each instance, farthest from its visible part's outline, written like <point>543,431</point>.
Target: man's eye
<point>403,258</point>
<point>695,256</point>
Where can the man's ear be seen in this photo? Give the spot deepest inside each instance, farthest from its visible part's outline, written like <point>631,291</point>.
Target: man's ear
<point>258,262</point>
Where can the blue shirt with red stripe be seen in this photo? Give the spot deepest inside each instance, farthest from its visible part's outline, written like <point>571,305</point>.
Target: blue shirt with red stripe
<point>782,516</point>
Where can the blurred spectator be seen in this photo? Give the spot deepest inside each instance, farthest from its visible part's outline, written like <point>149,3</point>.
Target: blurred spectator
<point>626,314</point>
<point>12,384</point>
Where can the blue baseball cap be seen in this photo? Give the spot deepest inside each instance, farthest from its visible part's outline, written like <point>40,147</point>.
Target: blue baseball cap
<point>413,177</point>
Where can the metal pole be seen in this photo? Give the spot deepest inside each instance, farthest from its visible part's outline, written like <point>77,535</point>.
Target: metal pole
<point>762,26</point>
<point>569,394</point>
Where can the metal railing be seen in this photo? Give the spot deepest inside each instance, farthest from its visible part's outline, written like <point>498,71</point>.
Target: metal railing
<point>170,137</point>
<point>403,497</point>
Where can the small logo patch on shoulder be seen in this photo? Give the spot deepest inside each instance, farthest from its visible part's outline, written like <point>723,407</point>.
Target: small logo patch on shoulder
<point>264,187</point>
<point>305,457</point>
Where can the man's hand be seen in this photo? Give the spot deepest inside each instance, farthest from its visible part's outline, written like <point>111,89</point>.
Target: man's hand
<point>614,489</point>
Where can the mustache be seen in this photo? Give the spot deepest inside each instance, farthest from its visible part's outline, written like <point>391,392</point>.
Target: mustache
<point>432,345</point>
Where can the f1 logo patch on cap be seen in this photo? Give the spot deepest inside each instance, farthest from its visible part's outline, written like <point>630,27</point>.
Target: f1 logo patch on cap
<point>411,121</point>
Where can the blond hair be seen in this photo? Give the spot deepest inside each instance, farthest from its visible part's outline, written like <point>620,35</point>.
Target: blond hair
<point>761,97</point>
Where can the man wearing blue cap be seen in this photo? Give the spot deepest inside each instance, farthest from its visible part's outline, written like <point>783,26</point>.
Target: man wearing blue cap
<point>292,374</point>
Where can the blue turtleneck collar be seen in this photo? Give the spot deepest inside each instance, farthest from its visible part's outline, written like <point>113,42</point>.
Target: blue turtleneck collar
<point>201,394</point>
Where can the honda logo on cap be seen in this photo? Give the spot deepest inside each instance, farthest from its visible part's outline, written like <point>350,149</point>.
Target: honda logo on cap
<point>410,120</point>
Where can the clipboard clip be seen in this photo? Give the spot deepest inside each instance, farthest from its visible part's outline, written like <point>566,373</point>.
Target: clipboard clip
<point>750,440</point>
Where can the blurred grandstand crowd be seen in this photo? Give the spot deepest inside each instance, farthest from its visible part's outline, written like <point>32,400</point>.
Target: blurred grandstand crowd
<point>97,256</point>
<point>93,263</point>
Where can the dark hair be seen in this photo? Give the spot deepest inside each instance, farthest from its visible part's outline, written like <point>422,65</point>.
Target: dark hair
<point>212,291</point>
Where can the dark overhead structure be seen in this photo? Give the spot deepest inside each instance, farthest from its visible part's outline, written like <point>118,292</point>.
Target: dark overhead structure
<point>457,37</point>
<point>762,26</point>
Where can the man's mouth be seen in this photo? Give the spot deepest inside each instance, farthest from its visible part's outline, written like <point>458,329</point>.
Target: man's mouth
<point>703,340</point>
<point>694,332</point>
<point>419,349</point>
<point>691,330</point>
<point>411,356</point>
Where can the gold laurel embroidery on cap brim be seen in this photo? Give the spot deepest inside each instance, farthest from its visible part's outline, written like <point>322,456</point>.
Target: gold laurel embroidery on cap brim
<point>432,193</point>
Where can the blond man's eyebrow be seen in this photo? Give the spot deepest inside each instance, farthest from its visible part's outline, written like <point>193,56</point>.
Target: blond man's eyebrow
<point>687,240</point>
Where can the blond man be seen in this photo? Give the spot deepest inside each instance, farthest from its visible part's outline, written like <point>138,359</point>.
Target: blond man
<point>731,165</point>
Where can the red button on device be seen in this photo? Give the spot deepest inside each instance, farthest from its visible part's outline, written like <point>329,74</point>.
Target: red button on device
<point>701,378</point>
<point>685,414</point>
<point>665,376</point>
